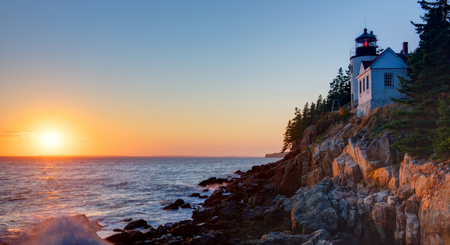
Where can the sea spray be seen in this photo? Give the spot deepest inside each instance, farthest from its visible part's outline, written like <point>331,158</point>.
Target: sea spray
<point>64,230</point>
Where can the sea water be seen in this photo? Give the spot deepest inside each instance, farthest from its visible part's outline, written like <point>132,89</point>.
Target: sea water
<point>108,190</point>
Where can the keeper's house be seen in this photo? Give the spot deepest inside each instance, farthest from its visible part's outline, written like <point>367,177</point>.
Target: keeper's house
<point>374,77</point>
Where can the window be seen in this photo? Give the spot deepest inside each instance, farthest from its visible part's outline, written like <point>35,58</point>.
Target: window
<point>360,88</point>
<point>388,80</point>
<point>367,81</point>
<point>363,82</point>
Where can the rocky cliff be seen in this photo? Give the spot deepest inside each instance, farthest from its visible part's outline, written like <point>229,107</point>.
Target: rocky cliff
<point>346,186</point>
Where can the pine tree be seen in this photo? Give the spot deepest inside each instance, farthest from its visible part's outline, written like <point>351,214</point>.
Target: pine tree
<point>441,144</point>
<point>429,79</point>
<point>320,105</point>
<point>339,88</point>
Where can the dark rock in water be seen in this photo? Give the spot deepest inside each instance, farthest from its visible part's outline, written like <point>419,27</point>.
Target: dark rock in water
<point>175,241</point>
<point>167,225</point>
<point>205,190</point>
<point>185,229</point>
<point>215,198</point>
<point>175,205</point>
<point>127,220</point>
<point>194,195</point>
<point>179,202</point>
<point>118,230</point>
<point>207,182</point>
<point>136,224</point>
<point>239,172</point>
<point>136,235</point>
<point>202,214</point>
<point>203,196</point>
<point>213,181</point>
<point>203,240</point>
<point>186,205</point>
<point>123,237</point>
<point>126,237</point>
<point>150,233</point>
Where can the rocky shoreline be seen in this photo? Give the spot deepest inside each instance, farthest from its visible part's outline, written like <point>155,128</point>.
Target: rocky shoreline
<point>337,188</point>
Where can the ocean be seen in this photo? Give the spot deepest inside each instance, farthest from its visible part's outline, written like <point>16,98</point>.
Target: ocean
<point>108,190</point>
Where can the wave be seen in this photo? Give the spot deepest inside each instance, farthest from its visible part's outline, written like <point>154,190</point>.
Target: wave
<point>63,230</point>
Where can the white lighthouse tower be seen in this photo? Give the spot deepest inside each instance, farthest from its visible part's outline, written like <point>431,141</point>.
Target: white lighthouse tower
<point>366,50</point>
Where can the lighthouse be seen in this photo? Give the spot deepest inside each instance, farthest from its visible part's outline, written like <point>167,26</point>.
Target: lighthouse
<point>365,50</point>
<point>375,77</point>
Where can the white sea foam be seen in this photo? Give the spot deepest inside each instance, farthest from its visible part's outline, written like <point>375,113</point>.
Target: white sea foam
<point>65,230</point>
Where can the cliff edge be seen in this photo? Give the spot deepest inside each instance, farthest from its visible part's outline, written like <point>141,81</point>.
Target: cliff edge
<point>344,186</point>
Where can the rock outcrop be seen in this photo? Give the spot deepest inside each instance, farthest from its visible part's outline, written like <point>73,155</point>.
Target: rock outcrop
<point>341,189</point>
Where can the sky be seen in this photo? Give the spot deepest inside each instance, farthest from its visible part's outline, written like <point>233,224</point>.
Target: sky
<point>186,78</point>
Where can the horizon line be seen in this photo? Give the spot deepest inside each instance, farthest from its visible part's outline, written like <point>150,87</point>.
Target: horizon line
<point>124,156</point>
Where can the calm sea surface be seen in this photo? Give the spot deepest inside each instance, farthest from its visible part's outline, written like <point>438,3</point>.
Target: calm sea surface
<point>107,190</point>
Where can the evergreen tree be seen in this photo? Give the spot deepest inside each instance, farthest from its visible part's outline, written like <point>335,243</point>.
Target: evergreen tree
<point>306,115</point>
<point>429,79</point>
<point>293,131</point>
<point>339,89</point>
<point>320,105</point>
<point>441,144</point>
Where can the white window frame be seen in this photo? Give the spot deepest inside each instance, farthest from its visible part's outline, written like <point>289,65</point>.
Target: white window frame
<point>389,80</point>
<point>367,83</point>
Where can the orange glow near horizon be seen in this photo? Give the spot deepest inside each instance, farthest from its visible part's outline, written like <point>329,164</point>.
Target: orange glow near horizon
<point>79,134</point>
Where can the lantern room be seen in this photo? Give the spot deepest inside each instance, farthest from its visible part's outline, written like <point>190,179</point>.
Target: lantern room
<point>366,44</point>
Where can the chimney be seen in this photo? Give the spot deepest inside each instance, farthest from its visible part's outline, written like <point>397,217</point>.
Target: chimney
<point>405,48</point>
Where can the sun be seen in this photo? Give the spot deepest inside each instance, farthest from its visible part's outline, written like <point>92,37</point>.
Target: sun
<point>51,139</point>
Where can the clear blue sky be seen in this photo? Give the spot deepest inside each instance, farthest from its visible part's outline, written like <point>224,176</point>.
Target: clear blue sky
<point>236,67</point>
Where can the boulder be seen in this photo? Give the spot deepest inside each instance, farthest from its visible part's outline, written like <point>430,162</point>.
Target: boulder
<point>202,240</point>
<point>314,177</point>
<point>412,231</point>
<point>340,239</point>
<point>385,177</point>
<point>400,223</point>
<point>404,191</point>
<point>384,216</point>
<point>345,165</point>
<point>379,150</point>
<point>308,137</point>
<point>126,237</point>
<point>279,238</point>
<point>357,150</point>
<point>413,169</point>
<point>288,176</point>
<point>325,152</point>
<point>434,214</point>
<point>311,209</point>
<point>137,224</point>
<point>213,181</point>
<point>202,214</point>
<point>175,205</point>
<point>185,229</point>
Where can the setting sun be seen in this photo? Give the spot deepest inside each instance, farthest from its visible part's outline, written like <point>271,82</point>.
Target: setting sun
<point>51,139</point>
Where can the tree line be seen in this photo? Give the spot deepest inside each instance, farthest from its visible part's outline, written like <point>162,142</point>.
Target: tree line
<point>318,111</point>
